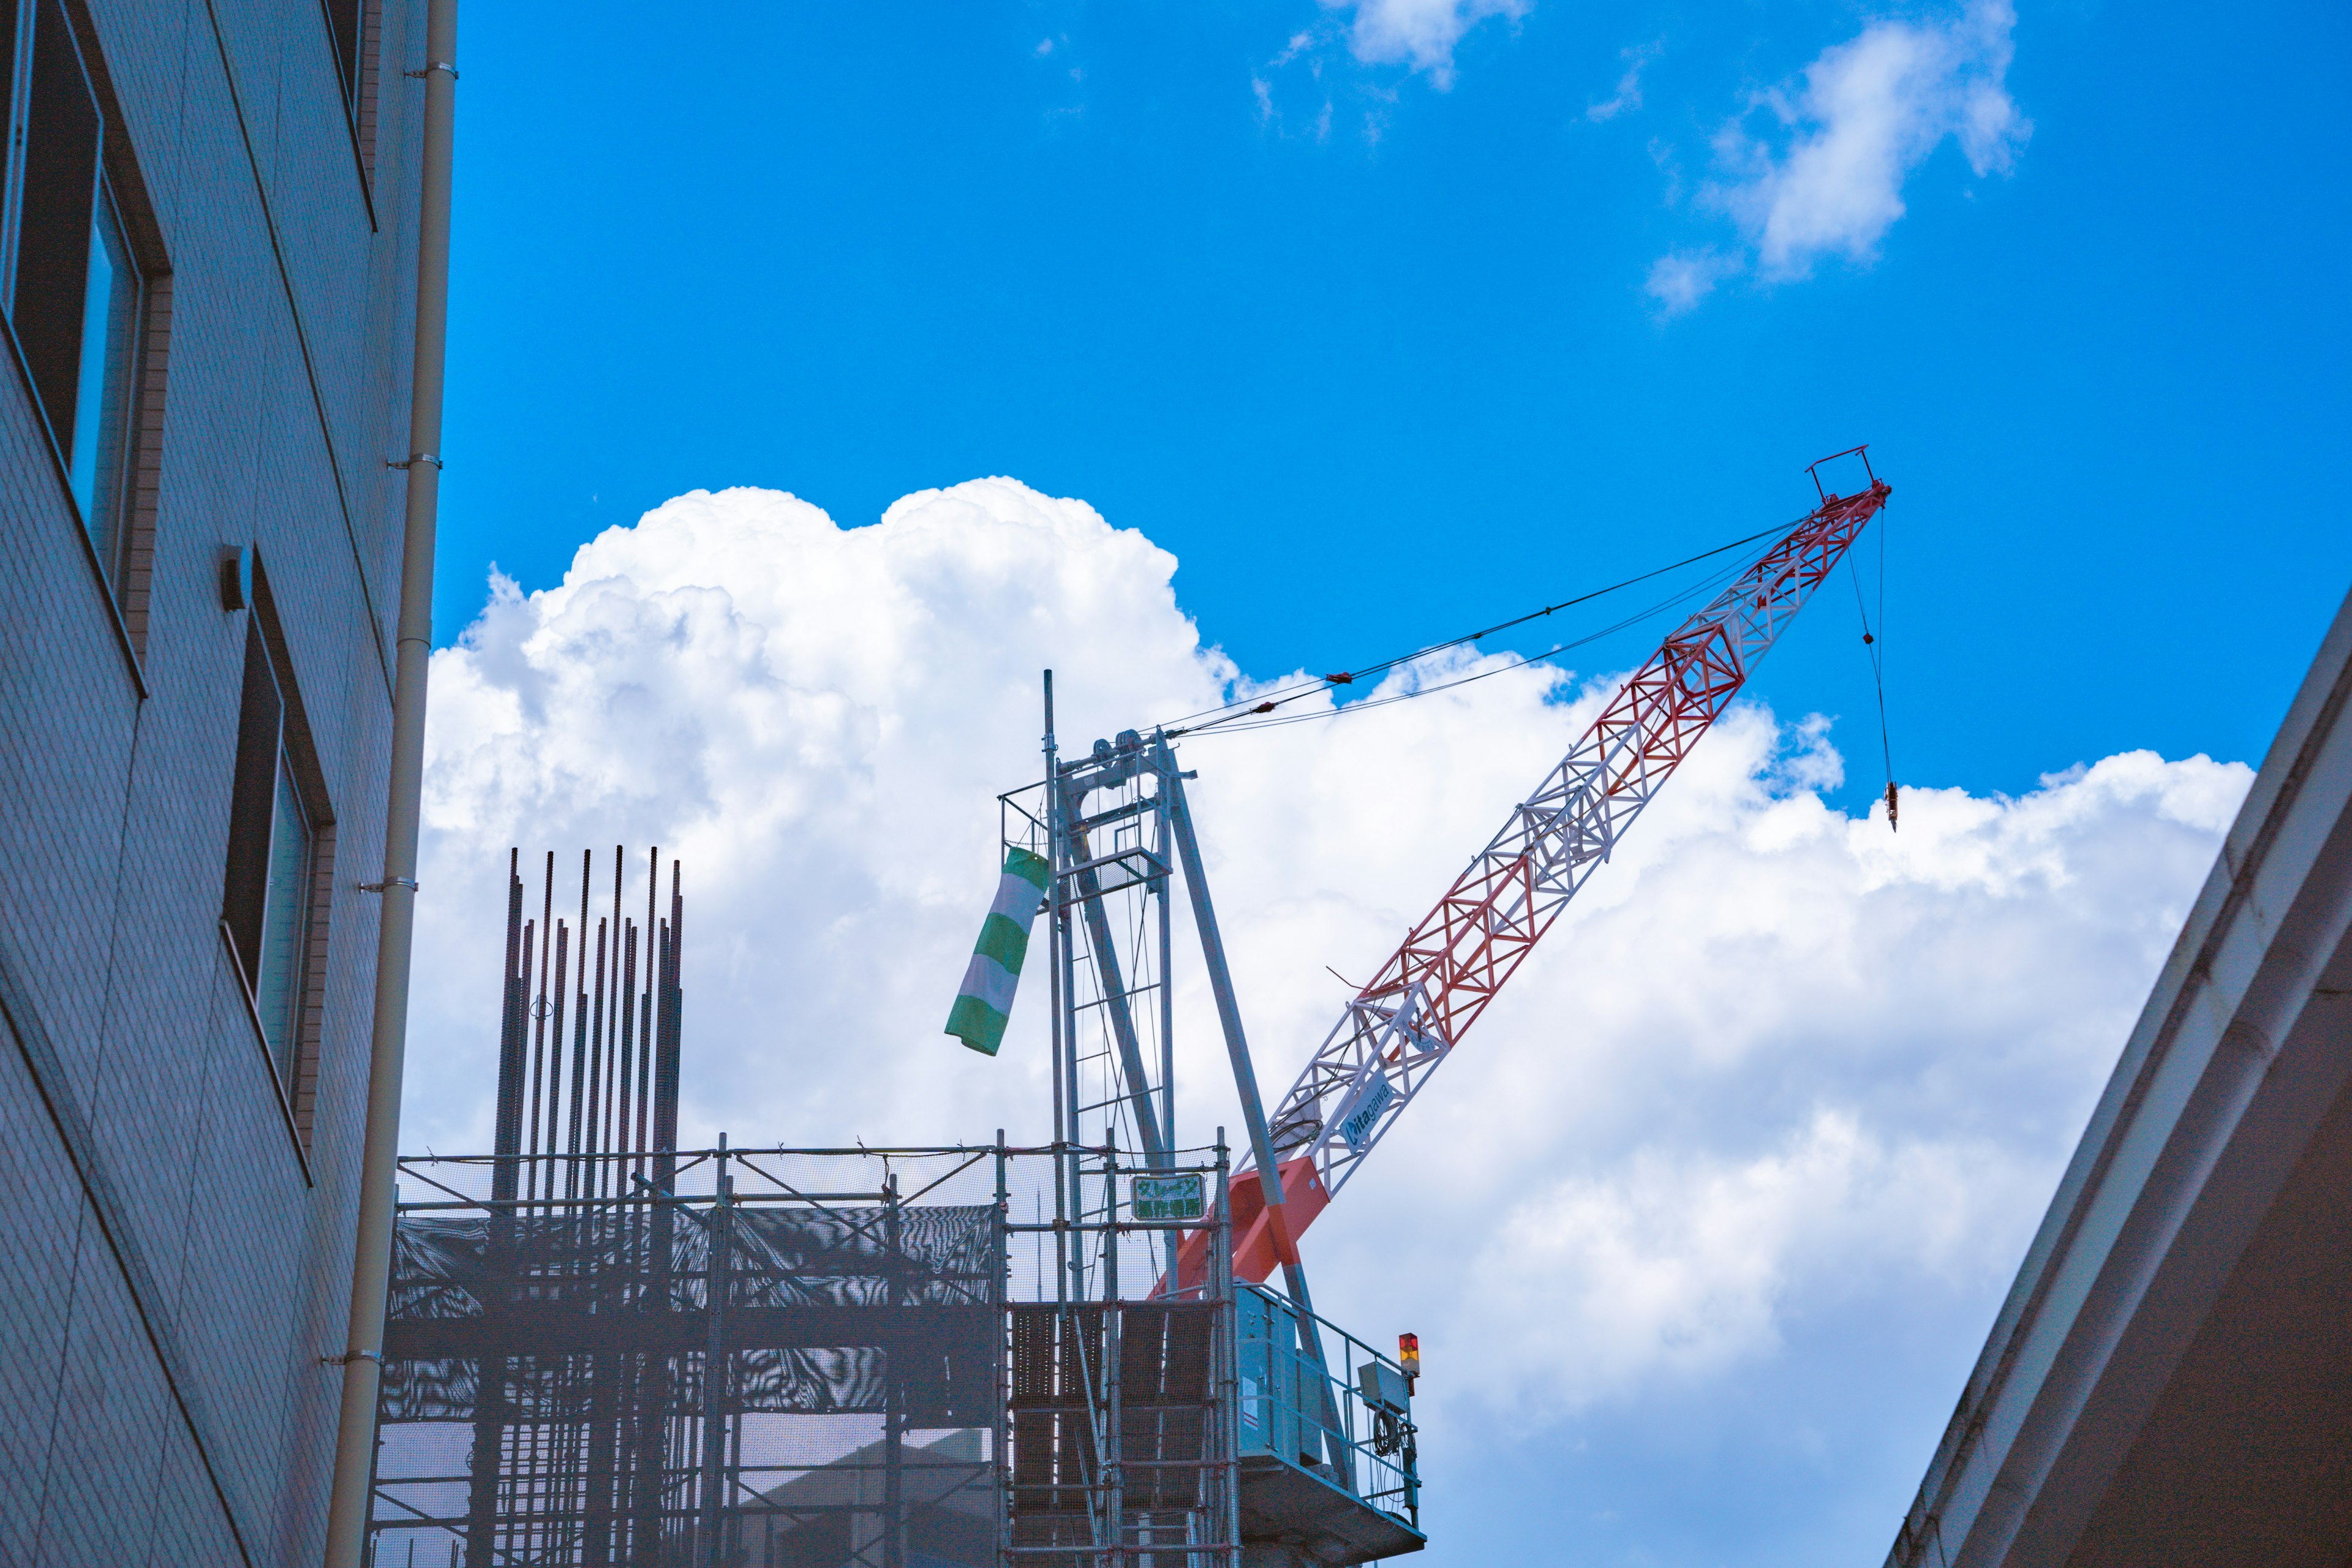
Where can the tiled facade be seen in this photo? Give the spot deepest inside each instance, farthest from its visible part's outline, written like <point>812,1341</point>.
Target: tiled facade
<point>174,1263</point>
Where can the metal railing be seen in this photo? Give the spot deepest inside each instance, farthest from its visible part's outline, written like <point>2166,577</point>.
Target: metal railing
<point>1333,1419</point>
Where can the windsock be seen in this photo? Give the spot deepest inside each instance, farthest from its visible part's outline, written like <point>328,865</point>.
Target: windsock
<point>986,1000</point>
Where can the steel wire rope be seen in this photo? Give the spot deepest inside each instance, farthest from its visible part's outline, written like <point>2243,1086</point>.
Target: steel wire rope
<point>1243,722</point>
<point>1256,702</point>
<point>1875,647</point>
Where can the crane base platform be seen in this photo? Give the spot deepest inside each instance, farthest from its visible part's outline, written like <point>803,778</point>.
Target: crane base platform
<point>1293,1515</point>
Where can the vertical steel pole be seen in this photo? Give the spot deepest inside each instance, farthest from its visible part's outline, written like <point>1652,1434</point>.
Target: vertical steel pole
<point>1063,1208</point>
<point>1163,850</point>
<point>1066,977</point>
<point>1229,1017</point>
<point>1113,1358</point>
<point>1228,1423</point>
<point>893,1397</point>
<point>348,1505</point>
<point>1001,1415</point>
<point>1221,986</point>
<point>714,1368</point>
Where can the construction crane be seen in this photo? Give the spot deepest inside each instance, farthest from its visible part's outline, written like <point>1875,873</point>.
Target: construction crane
<point>1399,1029</point>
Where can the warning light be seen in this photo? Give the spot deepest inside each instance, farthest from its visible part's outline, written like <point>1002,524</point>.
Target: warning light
<point>1409,1358</point>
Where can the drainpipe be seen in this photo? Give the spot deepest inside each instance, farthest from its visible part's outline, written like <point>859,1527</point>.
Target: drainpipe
<point>362,1361</point>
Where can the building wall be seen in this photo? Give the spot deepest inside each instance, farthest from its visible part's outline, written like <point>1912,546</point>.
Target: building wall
<point>173,1264</point>
<point>2170,1379</point>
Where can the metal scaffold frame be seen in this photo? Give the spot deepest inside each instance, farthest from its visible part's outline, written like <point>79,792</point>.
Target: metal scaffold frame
<point>856,1356</point>
<point>1115,830</point>
<point>603,1349</point>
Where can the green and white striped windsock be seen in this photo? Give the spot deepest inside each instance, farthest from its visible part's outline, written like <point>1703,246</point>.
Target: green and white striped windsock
<point>986,1000</point>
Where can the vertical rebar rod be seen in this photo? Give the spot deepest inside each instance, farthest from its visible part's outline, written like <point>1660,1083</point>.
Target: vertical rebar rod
<point>532,1092</point>
<point>585,1130</point>
<point>645,1006</point>
<point>534,938</point>
<point>627,1009</point>
<point>486,1475</point>
<point>605,1171</point>
<point>579,1038</point>
<point>645,1047</point>
<point>506,1139</point>
<point>555,1052</point>
<point>674,1002</point>
<point>539,1009</point>
<point>655,1440</point>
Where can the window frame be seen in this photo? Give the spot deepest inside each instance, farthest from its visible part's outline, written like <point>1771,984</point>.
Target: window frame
<point>120,548</point>
<point>358,78</point>
<point>106,515</point>
<point>293,1071</point>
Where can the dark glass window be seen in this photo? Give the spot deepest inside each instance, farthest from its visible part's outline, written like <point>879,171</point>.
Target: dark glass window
<point>266,902</point>
<point>76,296</point>
<point>110,345</point>
<point>344,31</point>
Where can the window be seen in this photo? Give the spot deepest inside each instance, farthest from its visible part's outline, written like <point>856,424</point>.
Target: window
<point>74,291</point>
<point>346,30</point>
<point>103,382</point>
<point>355,35</point>
<point>280,845</point>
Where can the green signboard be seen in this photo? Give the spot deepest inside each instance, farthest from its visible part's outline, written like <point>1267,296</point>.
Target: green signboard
<point>1168,1197</point>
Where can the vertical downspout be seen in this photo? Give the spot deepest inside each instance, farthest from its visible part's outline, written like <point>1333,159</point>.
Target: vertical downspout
<point>347,1514</point>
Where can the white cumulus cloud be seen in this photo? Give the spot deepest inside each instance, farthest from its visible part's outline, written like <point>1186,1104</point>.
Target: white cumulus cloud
<point>1420,35</point>
<point>1825,176</point>
<point>1681,278</point>
<point>1776,1057</point>
<point>1421,32</point>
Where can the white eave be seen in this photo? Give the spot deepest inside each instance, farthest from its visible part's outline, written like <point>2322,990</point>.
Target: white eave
<point>2155,1381</point>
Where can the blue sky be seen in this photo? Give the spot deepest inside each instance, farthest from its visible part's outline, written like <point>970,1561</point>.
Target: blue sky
<point>1383,384</point>
<point>1379,344</point>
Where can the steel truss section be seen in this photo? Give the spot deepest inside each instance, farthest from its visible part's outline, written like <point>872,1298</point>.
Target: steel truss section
<point>1449,966</point>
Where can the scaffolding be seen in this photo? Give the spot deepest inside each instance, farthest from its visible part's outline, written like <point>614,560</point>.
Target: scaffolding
<point>802,1357</point>
<point>602,1350</point>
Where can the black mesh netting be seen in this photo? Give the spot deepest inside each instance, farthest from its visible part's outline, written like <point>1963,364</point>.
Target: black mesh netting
<point>823,1309</point>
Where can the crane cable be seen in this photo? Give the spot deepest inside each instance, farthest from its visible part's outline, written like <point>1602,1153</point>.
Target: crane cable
<point>1876,650</point>
<point>1248,719</point>
<point>1267,702</point>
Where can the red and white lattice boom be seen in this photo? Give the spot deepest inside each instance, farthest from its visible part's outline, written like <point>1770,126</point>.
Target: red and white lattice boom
<point>1416,1010</point>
